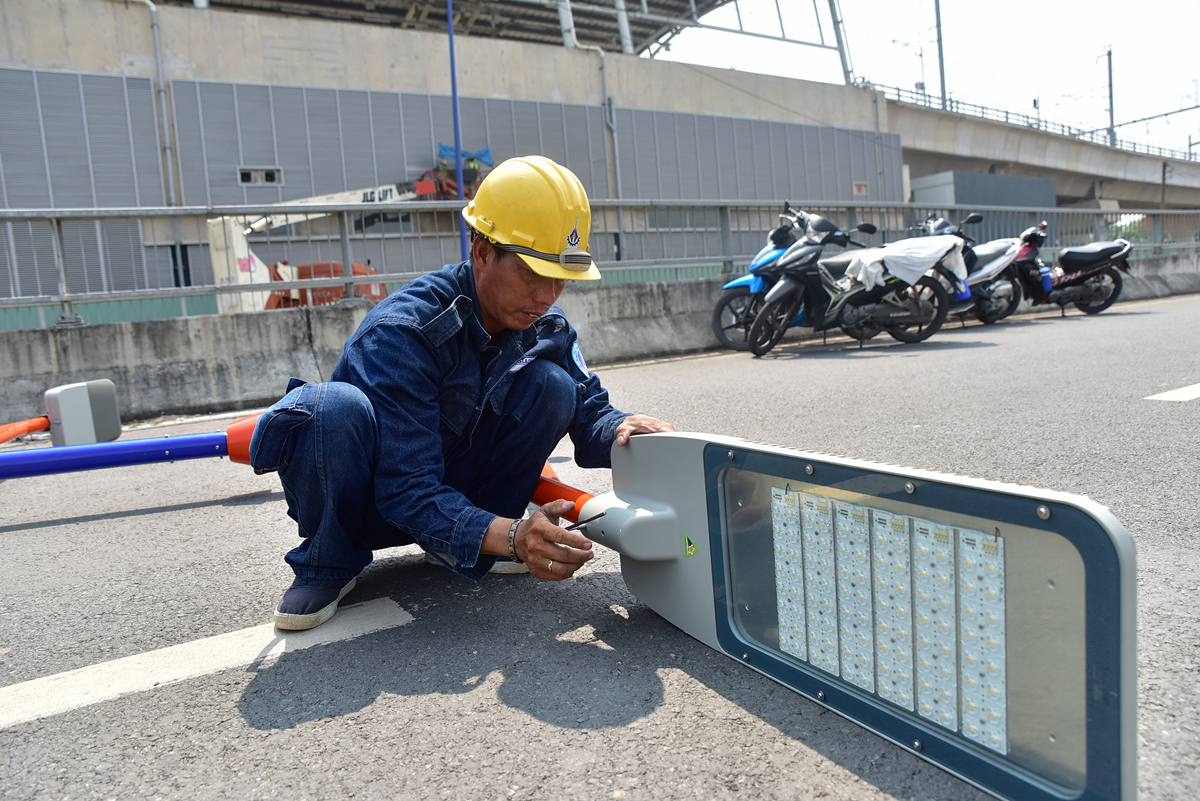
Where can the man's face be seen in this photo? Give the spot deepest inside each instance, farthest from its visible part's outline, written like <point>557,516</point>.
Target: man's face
<point>510,294</point>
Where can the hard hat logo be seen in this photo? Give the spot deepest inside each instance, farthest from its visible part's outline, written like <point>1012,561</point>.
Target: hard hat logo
<point>524,205</point>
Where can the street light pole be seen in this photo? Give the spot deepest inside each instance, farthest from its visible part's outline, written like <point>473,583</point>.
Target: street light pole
<point>458,171</point>
<point>1112,127</point>
<point>937,11</point>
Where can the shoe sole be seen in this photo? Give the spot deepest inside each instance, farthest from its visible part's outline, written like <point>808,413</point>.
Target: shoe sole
<point>289,622</point>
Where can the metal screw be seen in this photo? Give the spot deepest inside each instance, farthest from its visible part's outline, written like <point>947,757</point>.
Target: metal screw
<point>917,745</point>
<point>729,454</point>
<point>1044,512</point>
<point>746,657</point>
<point>910,487</point>
<point>808,468</point>
<point>821,696</point>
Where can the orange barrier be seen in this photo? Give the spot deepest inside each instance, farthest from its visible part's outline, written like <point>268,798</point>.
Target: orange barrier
<point>13,430</point>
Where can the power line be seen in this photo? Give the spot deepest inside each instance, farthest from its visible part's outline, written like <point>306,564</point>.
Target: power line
<point>1144,119</point>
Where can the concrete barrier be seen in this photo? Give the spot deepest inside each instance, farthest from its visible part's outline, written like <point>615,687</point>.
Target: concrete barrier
<point>243,361</point>
<point>224,362</point>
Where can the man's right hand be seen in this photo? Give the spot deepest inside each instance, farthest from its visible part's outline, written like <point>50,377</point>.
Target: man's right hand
<point>551,551</point>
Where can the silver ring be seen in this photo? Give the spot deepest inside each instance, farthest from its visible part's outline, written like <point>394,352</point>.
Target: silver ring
<point>550,566</point>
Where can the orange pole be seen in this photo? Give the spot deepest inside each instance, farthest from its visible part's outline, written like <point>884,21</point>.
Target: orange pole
<point>13,430</point>
<point>551,489</point>
<point>237,438</point>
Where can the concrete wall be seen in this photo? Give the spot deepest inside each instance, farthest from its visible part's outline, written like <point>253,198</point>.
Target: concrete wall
<point>243,361</point>
<point>114,38</point>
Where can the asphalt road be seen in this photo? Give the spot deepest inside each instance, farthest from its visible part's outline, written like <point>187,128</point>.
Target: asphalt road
<point>515,688</point>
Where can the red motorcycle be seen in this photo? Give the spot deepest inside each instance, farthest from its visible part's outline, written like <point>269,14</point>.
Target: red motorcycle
<point>1088,276</point>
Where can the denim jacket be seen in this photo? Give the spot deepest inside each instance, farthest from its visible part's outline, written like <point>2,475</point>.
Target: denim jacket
<point>423,359</point>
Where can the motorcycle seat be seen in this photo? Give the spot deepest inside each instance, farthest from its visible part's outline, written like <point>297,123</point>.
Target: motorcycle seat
<point>987,251</point>
<point>837,265</point>
<point>1077,258</point>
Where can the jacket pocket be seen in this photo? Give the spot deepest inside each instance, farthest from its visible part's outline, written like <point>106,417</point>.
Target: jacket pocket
<point>457,406</point>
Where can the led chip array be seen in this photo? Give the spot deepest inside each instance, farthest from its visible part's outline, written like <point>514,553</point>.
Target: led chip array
<point>981,629</point>
<point>789,572</point>
<point>934,613</point>
<point>816,526</point>
<point>892,575</point>
<point>853,544</point>
<point>903,607</point>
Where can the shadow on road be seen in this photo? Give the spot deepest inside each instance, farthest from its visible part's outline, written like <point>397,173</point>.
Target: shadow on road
<point>582,656</point>
<point>872,349</point>
<point>247,499</point>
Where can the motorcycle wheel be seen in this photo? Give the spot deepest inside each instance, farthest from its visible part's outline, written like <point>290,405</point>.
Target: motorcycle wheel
<point>1108,277</point>
<point>771,323</point>
<point>995,315</point>
<point>734,314</point>
<point>926,290</point>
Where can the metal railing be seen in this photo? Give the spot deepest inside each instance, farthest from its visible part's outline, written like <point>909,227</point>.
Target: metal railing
<point>1099,137</point>
<point>143,263</point>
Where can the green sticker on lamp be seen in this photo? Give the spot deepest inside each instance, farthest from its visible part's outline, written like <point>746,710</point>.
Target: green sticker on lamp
<point>689,547</point>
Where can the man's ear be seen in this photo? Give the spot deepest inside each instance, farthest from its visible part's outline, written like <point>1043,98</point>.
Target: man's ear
<point>482,252</point>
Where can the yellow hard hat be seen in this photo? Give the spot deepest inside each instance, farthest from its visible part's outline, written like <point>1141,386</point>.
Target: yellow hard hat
<point>538,210</point>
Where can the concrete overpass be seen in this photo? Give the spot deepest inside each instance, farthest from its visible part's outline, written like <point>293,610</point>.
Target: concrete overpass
<point>1086,174</point>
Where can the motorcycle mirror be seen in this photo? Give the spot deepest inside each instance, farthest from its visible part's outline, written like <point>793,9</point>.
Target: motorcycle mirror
<point>973,217</point>
<point>867,228</point>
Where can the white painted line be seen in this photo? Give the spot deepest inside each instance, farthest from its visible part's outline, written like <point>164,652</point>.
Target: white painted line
<point>53,695</point>
<point>1181,394</point>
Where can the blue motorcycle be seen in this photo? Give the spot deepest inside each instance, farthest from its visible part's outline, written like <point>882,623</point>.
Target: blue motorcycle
<point>742,298</point>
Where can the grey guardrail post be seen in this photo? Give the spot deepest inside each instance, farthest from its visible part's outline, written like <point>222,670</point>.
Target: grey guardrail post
<point>347,260</point>
<point>68,317</point>
<point>726,239</point>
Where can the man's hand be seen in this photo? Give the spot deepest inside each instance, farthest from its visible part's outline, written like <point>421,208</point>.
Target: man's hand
<point>550,551</point>
<point>640,424</point>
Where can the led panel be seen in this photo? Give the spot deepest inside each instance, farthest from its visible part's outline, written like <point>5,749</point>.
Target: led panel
<point>855,625</point>
<point>820,581</point>
<point>789,572</point>
<point>981,630</point>
<point>891,564</point>
<point>935,624</point>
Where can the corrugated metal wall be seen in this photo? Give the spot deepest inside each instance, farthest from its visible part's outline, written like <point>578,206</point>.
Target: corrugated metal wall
<point>69,140</point>
<point>74,140</point>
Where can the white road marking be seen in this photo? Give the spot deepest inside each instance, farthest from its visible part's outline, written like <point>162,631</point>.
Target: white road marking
<point>1181,394</point>
<point>53,695</point>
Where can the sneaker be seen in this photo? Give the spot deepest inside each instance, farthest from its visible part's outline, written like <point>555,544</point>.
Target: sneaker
<point>310,602</point>
<point>503,565</point>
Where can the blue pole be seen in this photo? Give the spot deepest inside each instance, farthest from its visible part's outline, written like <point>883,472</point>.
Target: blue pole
<point>72,458</point>
<point>462,227</point>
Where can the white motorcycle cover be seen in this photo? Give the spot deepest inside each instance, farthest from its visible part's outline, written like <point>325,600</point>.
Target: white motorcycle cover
<point>909,259</point>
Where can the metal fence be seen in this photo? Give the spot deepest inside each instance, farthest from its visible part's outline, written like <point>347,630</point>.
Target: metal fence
<point>110,265</point>
<point>1099,137</point>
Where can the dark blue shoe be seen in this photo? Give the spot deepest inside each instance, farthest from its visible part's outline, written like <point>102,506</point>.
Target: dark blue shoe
<point>310,602</point>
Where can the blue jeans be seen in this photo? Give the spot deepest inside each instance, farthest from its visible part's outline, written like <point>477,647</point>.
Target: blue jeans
<point>323,440</point>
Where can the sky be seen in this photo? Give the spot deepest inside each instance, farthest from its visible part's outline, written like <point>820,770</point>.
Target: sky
<point>1002,55</point>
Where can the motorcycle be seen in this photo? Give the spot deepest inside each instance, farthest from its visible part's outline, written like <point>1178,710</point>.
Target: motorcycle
<point>1088,276</point>
<point>742,298</point>
<point>809,287</point>
<point>994,291</point>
